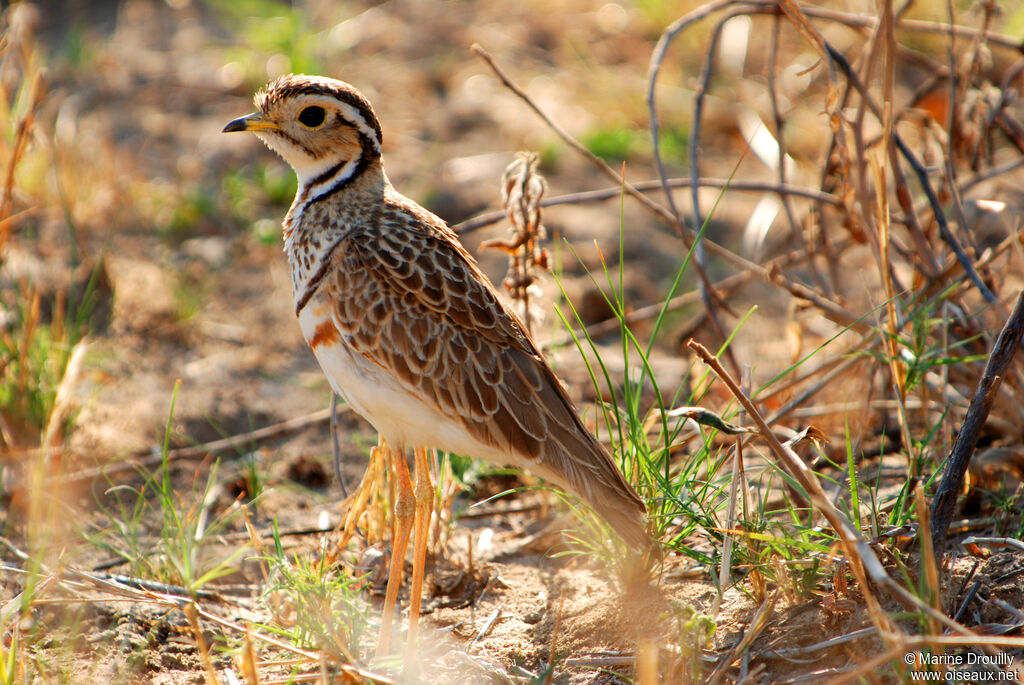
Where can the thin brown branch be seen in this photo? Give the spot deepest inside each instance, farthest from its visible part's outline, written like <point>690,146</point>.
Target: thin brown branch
<point>832,369</point>
<point>831,310</point>
<point>1006,347</point>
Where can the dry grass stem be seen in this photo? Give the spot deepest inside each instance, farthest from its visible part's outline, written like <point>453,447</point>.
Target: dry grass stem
<point>204,652</point>
<point>929,567</point>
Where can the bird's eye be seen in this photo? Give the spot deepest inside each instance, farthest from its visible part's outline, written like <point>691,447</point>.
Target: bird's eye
<point>312,116</point>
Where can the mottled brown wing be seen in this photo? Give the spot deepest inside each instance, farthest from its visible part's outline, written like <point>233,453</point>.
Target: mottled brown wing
<point>413,301</point>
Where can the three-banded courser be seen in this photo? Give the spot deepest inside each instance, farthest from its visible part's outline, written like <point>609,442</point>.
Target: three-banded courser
<point>409,331</point>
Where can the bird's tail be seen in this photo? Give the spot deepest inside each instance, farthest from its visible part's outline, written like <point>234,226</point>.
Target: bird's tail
<point>588,471</point>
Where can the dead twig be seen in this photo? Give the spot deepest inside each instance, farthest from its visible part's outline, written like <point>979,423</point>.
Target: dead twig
<point>1006,347</point>
<point>792,653</point>
<point>488,626</point>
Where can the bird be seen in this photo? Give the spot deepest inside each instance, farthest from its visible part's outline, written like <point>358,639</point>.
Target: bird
<point>410,332</point>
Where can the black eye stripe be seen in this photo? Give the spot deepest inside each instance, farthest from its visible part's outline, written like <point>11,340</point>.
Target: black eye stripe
<point>289,86</point>
<point>312,116</point>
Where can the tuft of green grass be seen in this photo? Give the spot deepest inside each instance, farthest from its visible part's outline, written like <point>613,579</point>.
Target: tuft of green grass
<point>321,604</point>
<point>35,349</point>
<point>165,535</point>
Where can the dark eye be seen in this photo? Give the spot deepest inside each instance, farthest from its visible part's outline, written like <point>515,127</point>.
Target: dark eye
<point>312,116</point>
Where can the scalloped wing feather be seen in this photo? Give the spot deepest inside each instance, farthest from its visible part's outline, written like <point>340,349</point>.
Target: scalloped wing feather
<point>406,296</point>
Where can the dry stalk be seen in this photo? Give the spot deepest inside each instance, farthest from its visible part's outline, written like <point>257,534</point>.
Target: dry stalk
<point>725,572</point>
<point>522,190</point>
<point>257,545</point>
<point>554,638</point>
<point>22,135</point>
<point>248,658</point>
<point>204,652</point>
<point>1006,346</point>
<point>930,570</point>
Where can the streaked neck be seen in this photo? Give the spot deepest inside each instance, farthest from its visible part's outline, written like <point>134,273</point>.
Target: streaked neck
<point>326,208</point>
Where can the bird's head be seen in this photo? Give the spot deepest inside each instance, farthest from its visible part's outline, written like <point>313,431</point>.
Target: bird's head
<point>320,126</point>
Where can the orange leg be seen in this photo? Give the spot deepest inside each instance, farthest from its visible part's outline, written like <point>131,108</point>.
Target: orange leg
<point>405,510</point>
<point>358,502</point>
<point>424,491</point>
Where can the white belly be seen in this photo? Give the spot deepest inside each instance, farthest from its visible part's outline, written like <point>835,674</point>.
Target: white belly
<point>402,418</point>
